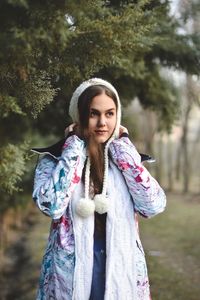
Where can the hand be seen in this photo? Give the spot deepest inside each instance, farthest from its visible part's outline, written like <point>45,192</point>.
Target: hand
<point>122,130</point>
<point>70,128</point>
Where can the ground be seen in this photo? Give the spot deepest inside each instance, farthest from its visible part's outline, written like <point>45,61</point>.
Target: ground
<point>20,273</point>
<point>171,243</point>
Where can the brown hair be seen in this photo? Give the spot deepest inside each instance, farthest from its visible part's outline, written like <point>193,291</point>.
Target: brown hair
<point>96,152</point>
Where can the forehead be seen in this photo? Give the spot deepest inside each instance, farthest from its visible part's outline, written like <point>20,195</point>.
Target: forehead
<point>102,102</point>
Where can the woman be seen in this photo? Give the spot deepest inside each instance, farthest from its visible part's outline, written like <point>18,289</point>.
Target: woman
<point>93,190</point>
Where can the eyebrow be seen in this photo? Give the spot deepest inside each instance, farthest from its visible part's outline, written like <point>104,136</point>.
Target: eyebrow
<point>96,110</point>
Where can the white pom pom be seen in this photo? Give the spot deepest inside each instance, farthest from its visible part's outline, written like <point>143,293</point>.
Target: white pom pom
<point>85,207</point>
<point>101,203</point>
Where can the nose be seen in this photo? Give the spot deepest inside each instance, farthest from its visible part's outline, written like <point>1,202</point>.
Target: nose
<point>101,121</point>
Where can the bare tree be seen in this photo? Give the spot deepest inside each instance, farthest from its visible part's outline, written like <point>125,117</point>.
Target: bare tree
<point>190,95</point>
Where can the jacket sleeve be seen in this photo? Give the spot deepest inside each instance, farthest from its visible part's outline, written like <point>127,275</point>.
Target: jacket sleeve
<point>149,198</point>
<point>55,179</point>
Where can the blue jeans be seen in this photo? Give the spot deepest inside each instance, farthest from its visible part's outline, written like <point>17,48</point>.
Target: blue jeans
<point>99,265</point>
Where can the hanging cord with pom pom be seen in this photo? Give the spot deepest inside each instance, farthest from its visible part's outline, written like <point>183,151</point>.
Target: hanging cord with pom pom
<point>85,206</point>
<point>101,200</point>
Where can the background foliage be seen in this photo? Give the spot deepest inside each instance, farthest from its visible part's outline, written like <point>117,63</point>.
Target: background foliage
<point>48,47</point>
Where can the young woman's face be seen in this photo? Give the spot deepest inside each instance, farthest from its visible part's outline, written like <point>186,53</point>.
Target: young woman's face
<point>102,118</point>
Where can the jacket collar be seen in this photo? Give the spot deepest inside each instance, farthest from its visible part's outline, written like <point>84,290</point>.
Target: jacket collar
<point>55,150</point>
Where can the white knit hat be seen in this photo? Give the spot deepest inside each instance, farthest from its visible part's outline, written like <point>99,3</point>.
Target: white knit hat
<point>86,206</point>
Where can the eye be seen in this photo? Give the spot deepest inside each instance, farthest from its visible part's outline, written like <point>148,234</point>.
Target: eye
<point>110,113</point>
<point>93,113</point>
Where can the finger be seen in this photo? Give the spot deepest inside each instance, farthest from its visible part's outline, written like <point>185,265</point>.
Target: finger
<point>123,129</point>
<point>66,131</point>
<point>71,127</point>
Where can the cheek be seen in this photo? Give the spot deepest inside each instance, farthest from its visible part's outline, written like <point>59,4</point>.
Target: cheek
<point>91,124</point>
<point>113,123</point>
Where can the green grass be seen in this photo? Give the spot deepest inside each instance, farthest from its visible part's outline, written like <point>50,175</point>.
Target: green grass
<point>172,246</point>
<point>171,241</point>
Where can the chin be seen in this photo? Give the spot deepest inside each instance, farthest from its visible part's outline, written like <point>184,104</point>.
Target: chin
<point>100,140</point>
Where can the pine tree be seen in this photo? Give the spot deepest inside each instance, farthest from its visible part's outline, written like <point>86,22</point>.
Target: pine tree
<point>48,47</point>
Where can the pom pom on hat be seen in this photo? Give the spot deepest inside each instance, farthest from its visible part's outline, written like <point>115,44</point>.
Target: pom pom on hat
<point>85,207</point>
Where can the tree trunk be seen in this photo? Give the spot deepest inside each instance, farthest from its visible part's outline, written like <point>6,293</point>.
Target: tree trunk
<point>184,139</point>
<point>178,162</point>
<point>159,161</point>
<point>169,164</point>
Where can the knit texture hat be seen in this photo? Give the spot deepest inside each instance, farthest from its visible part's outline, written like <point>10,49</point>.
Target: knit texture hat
<point>86,206</point>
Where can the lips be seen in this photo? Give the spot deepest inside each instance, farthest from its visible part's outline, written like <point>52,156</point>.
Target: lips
<point>100,132</point>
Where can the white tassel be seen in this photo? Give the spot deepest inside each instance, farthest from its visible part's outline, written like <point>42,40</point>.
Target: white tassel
<point>101,203</point>
<point>85,207</point>
<point>101,200</point>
